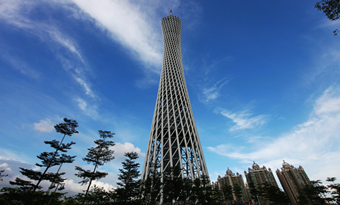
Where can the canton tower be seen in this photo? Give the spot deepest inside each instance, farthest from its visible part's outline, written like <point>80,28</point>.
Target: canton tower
<point>174,140</point>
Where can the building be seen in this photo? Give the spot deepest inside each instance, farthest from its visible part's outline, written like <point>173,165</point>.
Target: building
<point>292,180</point>
<point>233,180</point>
<point>174,140</point>
<point>258,176</point>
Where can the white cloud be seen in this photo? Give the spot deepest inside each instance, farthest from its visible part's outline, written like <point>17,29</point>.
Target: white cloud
<point>328,103</point>
<point>89,110</point>
<point>17,13</point>
<point>11,169</point>
<point>326,23</point>
<point>128,25</point>
<point>74,187</point>
<point>85,85</point>
<point>325,63</point>
<point>64,41</point>
<point>11,155</point>
<point>223,149</point>
<point>121,149</point>
<point>314,144</point>
<point>106,186</point>
<point>21,66</point>
<point>213,92</point>
<point>10,10</point>
<point>133,24</point>
<point>243,119</point>
<point>81,104</point>
<point>44,125</point>
<point>4,165</point>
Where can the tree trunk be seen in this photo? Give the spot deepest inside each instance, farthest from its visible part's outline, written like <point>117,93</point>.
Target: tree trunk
<point>95,167</point>
<point>51,199</point>
<point>42,176</point>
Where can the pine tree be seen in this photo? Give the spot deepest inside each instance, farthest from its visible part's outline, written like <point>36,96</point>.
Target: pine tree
<point>67,128</point>
<point>49,159</point>
<point>151,187</point>
<point>195,190</point>
<point>227,191</point>
<point>202,191</point>
<point>19,196</point>
<point>207,190</point>
<point>173,185</point>
<point>254,193</point>
<point>335,189</point>
<point>272,194</point>
<point>218,195</point>
<point>128,191</point>
<point>96,195</point>
<point>2,175</point>
<point>97,156</point>
<point>237,191</point>
<point>331,8</point>
<point>315,193</point>
<point>186,190</point>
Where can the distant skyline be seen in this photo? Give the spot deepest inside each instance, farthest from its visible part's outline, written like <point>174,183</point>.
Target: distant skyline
<point>263,80</point>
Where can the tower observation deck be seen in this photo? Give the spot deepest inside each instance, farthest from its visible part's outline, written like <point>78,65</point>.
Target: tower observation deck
<point>174,140</point>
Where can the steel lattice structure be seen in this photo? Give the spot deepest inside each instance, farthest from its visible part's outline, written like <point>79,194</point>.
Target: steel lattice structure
<point>174,140</point>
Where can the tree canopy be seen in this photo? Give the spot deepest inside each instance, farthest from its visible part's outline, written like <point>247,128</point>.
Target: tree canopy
<point>331,8</point>
<point>128,191</point>
<point>97,156</point>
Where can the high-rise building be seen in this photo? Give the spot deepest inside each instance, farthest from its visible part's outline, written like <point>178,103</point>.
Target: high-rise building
<point>258,176</point>
<point>292,180</point>
<point>233,180</point>
<point>174,140</point>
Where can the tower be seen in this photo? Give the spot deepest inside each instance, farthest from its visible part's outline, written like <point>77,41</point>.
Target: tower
<point>174,140</point>
<point>292,180</point>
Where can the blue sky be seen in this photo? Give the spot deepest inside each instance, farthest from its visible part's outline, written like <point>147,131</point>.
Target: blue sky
<point>263,79</point>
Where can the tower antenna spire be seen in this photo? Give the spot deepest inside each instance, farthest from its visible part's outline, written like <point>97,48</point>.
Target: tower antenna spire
<point>171,12</point>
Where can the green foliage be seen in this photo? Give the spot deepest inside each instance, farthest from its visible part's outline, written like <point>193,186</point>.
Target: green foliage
<point>2,175</point>
<point>24,184</point>
<point>331,8</point>
<point>128,191</point>
<point>227,191</point>
<point>186,190</point>
<point>272,194</point>
<point>151,187</point>
<point>173,185</point>
<point>18,196</point>
<point>253,191</point>
<point>101,154</point>
<point>96,156</point>
<point>196,190</point>
<point>202,191</point>
<point>335,190</point>
<point>178,190</point>
<point>88,175</point>
<point>68,127</point>
<point>218,195</point>
<point>97,195</point>
<point>315,193</point>
<point>49,159</point>
<point>36,175</point>
<point>237,191</point>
